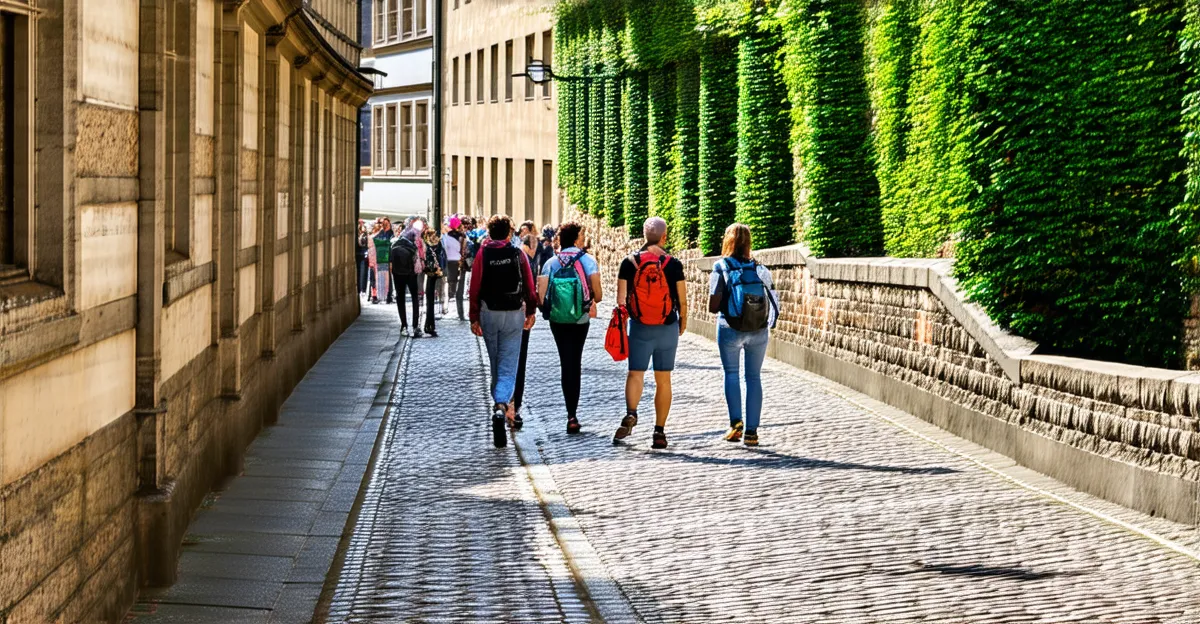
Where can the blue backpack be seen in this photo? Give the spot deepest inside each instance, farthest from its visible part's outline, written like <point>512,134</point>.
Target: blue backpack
<point>747,298</point>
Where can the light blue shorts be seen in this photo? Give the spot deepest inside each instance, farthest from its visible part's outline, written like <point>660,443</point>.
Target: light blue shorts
<point>657,341</point>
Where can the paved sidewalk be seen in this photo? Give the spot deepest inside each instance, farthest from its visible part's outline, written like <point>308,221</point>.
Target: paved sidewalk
<point>259,550</point>
<point>849,512</point>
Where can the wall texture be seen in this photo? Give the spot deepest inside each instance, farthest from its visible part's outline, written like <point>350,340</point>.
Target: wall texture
<point>899,331</point>
<point>191,257</point>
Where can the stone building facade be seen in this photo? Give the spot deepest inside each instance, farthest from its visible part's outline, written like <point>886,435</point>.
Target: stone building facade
<point>397,122</point>
<point>500,140</point>
<point>176,250</point>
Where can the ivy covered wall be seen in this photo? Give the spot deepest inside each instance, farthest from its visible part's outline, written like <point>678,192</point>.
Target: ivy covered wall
<point>1049,147</point>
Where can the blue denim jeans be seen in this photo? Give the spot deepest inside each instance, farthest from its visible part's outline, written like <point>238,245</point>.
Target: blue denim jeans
<point>502,336</point>
<point>732,343</point>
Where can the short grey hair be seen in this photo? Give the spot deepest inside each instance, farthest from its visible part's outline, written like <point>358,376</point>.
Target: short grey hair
<point>654,229</point>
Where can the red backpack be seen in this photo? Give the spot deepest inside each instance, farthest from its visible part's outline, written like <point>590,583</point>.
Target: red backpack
<point>650,300</point>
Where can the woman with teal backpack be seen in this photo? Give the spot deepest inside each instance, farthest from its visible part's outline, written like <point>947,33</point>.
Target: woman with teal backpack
<point>569,289</point>
<point>740,295</point>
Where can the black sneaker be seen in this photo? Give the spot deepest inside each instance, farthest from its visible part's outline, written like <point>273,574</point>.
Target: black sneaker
<point>417,333</point>
<point>573,425</point>
<point>432,333</point>
<point>499,435</point>
<point>660,440</point>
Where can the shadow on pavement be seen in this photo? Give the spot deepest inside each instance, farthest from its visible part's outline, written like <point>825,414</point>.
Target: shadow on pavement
<point>1016,574</point>
<point>779,461</point>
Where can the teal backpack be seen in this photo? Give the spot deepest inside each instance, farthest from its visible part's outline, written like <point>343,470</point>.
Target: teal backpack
<point>567,297</point>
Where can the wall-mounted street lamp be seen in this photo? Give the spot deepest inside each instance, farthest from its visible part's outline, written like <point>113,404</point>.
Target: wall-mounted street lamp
<point>540,73</point>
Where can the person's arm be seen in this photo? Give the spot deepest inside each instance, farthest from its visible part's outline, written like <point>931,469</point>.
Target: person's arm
<point>543,285</point>
<point>597,288</point>
<point>623,283</point>
<point>716,290</point>
<point>476,278</point>
<point>531,295</point>
<point>681,289</point>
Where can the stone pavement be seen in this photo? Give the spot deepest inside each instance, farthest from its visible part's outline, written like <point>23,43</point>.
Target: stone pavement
<point>260,549</point>
<point>849,512</point>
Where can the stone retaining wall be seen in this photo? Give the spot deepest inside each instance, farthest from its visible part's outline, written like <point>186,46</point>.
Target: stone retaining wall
<point>900,331</point>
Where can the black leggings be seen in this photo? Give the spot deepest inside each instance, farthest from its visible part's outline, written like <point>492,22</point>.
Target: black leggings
<point>570,339</point>
<point>431,285</point>
<point>408,282</point>
<point>519,391</point>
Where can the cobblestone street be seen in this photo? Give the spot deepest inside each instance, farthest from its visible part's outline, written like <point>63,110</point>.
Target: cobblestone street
<point>849,512</point>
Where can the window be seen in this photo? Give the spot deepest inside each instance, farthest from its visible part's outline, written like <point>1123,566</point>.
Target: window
<point>508,186</point>
<point>479,76</point>
<point>467,184</point>
<point>479,184</point>
<point>467,78</point>
<point>379,143</point>
<point>547,190</point>
<point>529,43</point>
<point>496,73</point>
<point>547,56</point>
<point>495,184</point>
<point>423,136</point>
<point>508,70</point>
<point>14,147</point>
<point>406,136</point>
<point>408,20</point>
<point>454,86</point>
<point>390,138</point>
<point>400,20</point>
<point>454,183</point>
<point>380,21</point>
<point>530,189</point>
<point>392,14</point>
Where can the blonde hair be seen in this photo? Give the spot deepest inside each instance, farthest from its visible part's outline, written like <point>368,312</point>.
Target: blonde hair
<point>736,243</point>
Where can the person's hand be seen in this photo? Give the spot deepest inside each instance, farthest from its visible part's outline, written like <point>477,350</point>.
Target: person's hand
<point>530,320</point>
<point>682,325</point>
<point>476,329</point>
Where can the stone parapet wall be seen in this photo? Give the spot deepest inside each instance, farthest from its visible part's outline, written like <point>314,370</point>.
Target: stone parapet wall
<point>900,331</point>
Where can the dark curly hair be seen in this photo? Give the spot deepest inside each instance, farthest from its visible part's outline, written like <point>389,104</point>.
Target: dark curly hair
<point>500,227</point>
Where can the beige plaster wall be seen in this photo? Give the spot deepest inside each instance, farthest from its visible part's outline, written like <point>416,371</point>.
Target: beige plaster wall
<point>521,129</point>
<point>249,221</point>
<point>205,60</point>
<point>48,409</point>
<point>109,52</point>
<point>250,125</point>
<point>281,276</point>
<point>247,292</point>
<point>109,246</point>
<point>182,337</point>
<point>201,231</point>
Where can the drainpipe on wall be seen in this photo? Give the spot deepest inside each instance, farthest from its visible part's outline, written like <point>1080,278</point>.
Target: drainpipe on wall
<point>438,166</point>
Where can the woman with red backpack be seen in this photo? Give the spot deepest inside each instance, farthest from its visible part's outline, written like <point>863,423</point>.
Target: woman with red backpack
<point>652,287</point>
<point>569,289</point>
<point>740,295</point>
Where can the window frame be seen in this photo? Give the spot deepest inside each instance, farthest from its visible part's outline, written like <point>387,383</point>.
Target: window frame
<point>23,251</point>
<point>530,87</point>
<point>407,157</point>
<point>421,134</point>
<point>547,56</point>
<point>480,78</point>
<point>454,82</point>
<point>389,146</point>
<point>508,70</point>
<point>467,79</point>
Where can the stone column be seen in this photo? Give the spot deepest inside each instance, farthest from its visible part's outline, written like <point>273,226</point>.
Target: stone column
<point>269,191</point>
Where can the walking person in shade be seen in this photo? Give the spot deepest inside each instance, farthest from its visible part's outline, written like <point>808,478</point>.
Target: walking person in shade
<point>651,286</point>
<point>454,242</point>
<point>503,304</point>
<point>407,265</point>
<point>382,240</point>
<point>740,294</point>
<point>569,289</point>
<point>435,261</point>
<point>361,256</point>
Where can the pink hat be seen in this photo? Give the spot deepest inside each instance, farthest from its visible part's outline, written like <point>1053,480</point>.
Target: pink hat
<point>455,222</point>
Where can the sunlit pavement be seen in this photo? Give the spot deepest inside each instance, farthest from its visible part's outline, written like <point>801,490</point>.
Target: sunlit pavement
<point>849,512</point>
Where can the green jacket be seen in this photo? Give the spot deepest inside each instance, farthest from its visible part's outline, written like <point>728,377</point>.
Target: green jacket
<point>383,250</point>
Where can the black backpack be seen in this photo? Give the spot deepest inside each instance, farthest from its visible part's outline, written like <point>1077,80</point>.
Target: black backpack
<point>404,257</point>
<point>501,285</point>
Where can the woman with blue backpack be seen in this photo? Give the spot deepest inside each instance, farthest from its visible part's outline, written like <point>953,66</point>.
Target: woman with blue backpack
<point>569,289</point>
<point>740,294</point>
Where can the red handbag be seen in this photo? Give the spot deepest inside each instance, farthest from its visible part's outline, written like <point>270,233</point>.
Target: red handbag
<point>616,340</point>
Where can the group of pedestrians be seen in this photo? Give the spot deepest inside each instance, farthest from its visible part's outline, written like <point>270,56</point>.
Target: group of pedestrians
<point>505,298</point>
